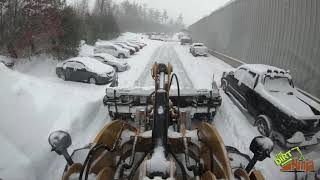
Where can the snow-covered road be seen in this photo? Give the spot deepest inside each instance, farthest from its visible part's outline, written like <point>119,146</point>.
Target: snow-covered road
<point>165,54</point>
<point>34,102</point>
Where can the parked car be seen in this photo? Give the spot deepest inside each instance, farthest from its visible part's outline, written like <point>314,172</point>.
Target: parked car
<point>198,49</point>
<point>131,49</point>
<point>118,64</point>
<point>185,40</point>
<point>7,61</point>
<point>137,43</point>
<point>114,50</point>
<point>85,69</point>
<point>132,45</point>
<point>280,110</point>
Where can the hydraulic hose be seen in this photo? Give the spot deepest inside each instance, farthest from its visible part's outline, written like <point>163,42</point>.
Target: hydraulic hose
<point>178,86</point>
<point>122,165</point>
<point>196,169</point>
<point>181,166</point>
<point>134,169</point>
<point>115,103</point>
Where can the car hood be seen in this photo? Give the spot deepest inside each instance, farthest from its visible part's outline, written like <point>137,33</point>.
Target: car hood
<point>118,62</point>
<point>200,47</point>
<point>290,104</point>
<point>6,60</point>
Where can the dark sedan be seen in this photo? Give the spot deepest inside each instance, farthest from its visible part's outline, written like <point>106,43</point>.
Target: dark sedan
<point>85,69</point>
<point>280,110</point>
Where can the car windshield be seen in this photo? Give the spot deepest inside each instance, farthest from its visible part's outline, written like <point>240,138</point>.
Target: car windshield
<point>277,84</point>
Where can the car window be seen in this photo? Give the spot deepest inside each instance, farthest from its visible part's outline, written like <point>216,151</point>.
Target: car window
<point>278,84</point>
<point>239,73</point>
<point>249,79</point>
<point>78,65</point>
<point>99,58</point>
<point>69,64</point>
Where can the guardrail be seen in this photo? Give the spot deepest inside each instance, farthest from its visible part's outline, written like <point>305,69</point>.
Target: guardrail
<point>236,63</point>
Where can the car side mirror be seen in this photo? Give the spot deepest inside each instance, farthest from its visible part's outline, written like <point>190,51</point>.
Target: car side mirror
<point>261,147</point>
<point>60,141</point>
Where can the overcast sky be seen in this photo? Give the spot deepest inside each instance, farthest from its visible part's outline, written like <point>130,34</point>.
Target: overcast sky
<point>192,10</point>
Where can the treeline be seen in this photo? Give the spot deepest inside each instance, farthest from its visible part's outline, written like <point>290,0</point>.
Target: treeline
<point>29,27</point>
<point>136,17</point>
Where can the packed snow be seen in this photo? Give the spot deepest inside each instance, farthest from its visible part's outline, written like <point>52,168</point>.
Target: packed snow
<point>34,102</point>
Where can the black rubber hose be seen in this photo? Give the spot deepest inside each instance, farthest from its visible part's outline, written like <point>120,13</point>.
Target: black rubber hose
<point>115,104</point>
<point>88,158</point>
<point>134,169</point>
<point>178,86</point>
<point>184,173</point>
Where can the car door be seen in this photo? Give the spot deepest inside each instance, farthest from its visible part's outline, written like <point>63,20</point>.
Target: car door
<point>247,92</point>
<point>108,49</point>
<point>113,51</point>
<point>234,82</point>
<point>80,72</point>
<point>68,68</point>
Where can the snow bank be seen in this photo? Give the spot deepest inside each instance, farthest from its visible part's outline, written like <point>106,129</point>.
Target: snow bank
<point>39,66</point>
<point>30,109</point>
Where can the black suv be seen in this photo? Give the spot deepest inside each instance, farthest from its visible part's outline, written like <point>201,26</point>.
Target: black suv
<point>280,110</point>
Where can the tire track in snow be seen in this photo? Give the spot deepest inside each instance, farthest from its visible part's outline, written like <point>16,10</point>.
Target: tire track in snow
<point>165,54</point>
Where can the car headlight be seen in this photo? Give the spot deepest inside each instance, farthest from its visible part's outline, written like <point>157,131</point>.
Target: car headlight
<point>297,138</point>
<point>106,75</point>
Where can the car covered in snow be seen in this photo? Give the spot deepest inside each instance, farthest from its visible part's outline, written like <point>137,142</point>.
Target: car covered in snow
<point>186,40</point>
<point>131,45</point>
<point>7,61</point>
<point>110,48</point>
<point>280,110</point>
<point>141,44</point>
<point>85,69</point>
<point>198,49</point>
<point>118,64</point>
<point>131,49</point>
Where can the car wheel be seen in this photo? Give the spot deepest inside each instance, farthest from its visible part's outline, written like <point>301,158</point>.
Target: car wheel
<point>115,68</point>
<point>263,125</point>
<point>121,56</point>
<point>92,80</point>
<point>224,85</point>
<point>62,76</point>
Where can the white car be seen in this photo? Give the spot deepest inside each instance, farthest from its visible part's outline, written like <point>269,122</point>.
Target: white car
<point>131,49</point>
<point>114,50</point>
<point>198,49</point>
<point>117,64</point>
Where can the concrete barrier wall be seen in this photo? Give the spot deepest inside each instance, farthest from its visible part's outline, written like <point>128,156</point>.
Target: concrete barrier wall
<point>282,33</point>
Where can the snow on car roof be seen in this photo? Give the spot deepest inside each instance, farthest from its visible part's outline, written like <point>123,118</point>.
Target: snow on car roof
<point>261,68</point>
<point>104,43</point>
<point>107,56</point>
<point>93,64</point>
<point>198,44</point>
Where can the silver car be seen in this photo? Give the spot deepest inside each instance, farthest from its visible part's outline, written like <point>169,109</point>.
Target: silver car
<point>118,64</point>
